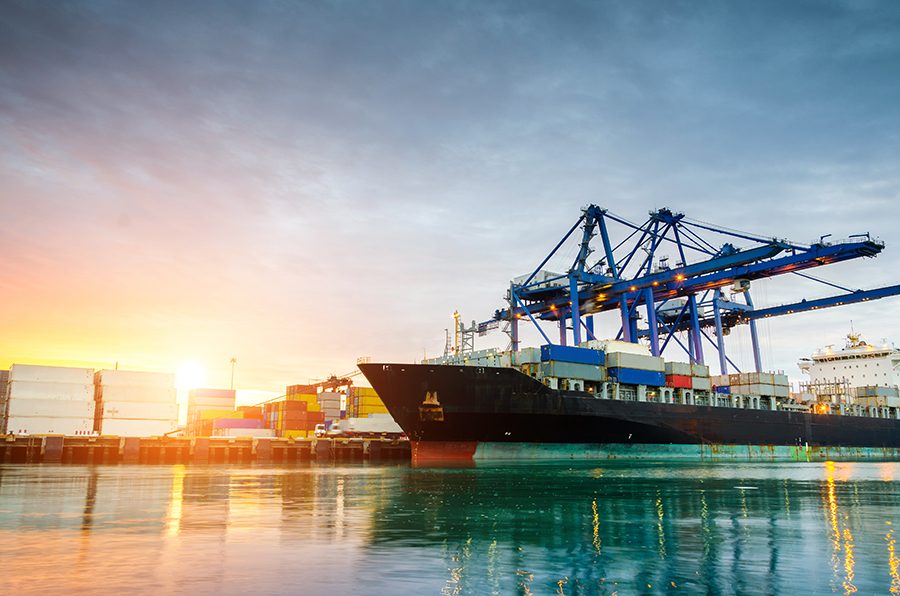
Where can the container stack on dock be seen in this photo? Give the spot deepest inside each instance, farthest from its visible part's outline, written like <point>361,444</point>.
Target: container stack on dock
<point>296,416</point>
<point>134,403</point>
<point>245,421</point>
<point>204,406</point>
<point>363,402</point>
<point>330,403</point>
<point>49,400</point>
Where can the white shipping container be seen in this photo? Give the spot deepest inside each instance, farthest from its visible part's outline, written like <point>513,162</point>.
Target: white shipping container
<point>699,370</point>
<point>49,390</point>
<point>44,425</point>
<point>762,389</point>
<point>637,361</point>
<point>51,408</point>
<point>781,380</point>
<point>138,411</point>
<point>137,394</point>
<point>701,383</point>
<point>782,391</point>
<point>678,368</point>
<point>620,347</point>
<point>527,356</point>
<point>137,428</point>
<point>51,374</point>
<point>136,378</point>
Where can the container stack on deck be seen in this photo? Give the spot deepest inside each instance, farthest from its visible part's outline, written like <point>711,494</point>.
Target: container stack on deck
<point>134,403</point>
<point>48,400</point>
<point>204,406</point>
<point>753,383</point>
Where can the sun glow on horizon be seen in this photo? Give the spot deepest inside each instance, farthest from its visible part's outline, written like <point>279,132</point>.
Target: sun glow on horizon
<point>190,375</point>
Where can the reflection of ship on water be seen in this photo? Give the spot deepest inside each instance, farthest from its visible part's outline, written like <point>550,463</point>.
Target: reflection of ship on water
<point>583,527</point>
<point>595,529</point>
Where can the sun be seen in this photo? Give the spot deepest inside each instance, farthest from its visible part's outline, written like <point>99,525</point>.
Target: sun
<point>190,375</point>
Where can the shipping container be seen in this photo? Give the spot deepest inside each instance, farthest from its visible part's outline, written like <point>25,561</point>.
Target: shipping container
<point>51,374</point>
<point>701,383</point>
<point>49,408</point>
<point>681,369</point>
<point>699,370</point>
<point>781,380</point>
<point>214,414</point>
<point>724,389</point>
<point>526,356</point>
<point>139,428</point>
<point>571,370</point>
<point>47,390</point>
<point>370,401</point>
<point>679,381</point>
<point>45,425</point>
<point>134,378</point>
<point>636,362</point>
<point>138,411</point>
<point>551,352</point>
<point>251,412</point>
<point>137,394</point>
<point>634,376</point>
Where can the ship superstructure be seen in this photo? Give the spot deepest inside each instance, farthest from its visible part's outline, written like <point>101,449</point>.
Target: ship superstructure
<point>855,373</point>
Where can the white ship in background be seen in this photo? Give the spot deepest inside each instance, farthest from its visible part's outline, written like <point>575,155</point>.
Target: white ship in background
<point>855,373</point>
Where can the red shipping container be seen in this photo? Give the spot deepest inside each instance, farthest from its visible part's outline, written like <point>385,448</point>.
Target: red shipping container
<point>319,417</point>
<point>251,412</point>
<point>295,406</point>
<point>678,381</point>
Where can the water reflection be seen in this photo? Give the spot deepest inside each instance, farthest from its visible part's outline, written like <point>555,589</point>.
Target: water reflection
<point>517,529</point>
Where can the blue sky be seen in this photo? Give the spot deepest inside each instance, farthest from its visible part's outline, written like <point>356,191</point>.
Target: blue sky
<point>300,184</point>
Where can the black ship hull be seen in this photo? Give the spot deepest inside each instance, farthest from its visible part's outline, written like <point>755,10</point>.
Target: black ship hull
<point>464,412</point>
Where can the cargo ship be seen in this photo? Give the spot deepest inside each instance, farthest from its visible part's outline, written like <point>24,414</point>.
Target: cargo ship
<point>610,400</point>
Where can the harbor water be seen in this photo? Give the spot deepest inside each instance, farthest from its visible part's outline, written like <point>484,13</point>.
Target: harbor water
<point>535,528</point>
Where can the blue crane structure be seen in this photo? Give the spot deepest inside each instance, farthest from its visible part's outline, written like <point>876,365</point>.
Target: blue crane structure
<point>634,276</point>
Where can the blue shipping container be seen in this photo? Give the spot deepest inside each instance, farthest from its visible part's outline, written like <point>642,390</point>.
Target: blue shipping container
<point>723,389</point>
<point>572,354</point>
<point>634,376</point>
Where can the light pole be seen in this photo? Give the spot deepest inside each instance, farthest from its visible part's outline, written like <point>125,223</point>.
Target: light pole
<point>233,362</point>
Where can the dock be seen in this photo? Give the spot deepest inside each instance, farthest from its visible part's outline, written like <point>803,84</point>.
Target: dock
<point>58,449</point>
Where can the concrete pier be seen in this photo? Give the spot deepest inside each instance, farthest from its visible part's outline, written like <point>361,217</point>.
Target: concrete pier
<point>57,449</point>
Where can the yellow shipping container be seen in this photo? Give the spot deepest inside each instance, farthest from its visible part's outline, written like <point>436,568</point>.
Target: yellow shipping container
<point>295,434</point>
<point>214,414</point>
<point>363,412</point>
<point>365,392</point>
<point>370,401</point>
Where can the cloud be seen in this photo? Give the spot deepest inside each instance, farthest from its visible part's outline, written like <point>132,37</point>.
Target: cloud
<point>309,182</point>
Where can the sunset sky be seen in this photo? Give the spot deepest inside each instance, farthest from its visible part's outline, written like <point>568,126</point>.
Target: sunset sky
<point>297,184</point>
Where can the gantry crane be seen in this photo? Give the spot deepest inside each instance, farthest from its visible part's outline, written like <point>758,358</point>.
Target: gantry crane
<point>635,275</point>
